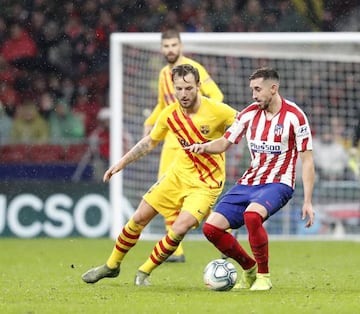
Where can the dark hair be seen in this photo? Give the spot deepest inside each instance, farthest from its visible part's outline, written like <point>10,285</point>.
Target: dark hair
<point>170,33</point>
<point>265,73</point>
<point>184,69</point>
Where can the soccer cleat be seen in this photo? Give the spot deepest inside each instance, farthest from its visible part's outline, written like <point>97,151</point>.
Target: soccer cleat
<point>262,283</point>
<point>176,259</point>
<point>95,274</point>
<point>247,278</point>
<point>142,279</point>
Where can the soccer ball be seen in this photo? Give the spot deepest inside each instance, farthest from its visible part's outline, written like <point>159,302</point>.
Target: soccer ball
<point>220,275</point>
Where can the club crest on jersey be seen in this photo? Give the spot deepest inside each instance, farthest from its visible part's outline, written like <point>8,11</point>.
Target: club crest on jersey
<point>279,128</point>
<point>204,129</point>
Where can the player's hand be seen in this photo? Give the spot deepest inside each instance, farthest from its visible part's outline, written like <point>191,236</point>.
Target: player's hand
<point>110,172</point>
<point>196,148</point>
<point>307,211</point>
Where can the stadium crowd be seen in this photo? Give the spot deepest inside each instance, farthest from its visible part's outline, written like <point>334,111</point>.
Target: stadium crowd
<point>54,58</point>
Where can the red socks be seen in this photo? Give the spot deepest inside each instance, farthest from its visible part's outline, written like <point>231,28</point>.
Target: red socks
<point>258,240</point>
<point>227,244</point>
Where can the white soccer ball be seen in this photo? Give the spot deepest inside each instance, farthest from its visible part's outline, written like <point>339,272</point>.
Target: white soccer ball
<point>220,275</point>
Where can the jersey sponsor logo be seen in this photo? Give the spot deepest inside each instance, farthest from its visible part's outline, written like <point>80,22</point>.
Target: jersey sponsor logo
<point>184,143</point>
<point>204,129</point>
<point>265,147</point>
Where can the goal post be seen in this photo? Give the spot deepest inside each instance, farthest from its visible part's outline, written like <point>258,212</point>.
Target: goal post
<point>315,68</point>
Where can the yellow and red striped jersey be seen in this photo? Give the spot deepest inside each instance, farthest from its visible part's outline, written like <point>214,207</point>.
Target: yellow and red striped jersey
<point>208,123</point>
<point>166,92</point>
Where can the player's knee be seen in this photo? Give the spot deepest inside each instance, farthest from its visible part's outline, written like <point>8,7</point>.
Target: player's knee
<point>210,232</point>
<point>253,220</point>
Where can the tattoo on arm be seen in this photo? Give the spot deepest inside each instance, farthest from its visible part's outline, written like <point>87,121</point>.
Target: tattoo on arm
<point>141,149</point>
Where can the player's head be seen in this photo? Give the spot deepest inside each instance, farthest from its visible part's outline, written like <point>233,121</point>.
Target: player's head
<point>186,80</point>
<point>265,73</point>
<point>171,46</point>
<point>264,83</point>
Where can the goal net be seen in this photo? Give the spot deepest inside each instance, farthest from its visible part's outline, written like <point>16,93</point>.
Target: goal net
<point>318,71</point>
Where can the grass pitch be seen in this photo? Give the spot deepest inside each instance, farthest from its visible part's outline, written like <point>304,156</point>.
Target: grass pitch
<point>44,276</point>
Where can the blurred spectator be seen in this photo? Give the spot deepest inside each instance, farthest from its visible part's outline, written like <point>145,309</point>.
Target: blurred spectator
<point>33,85</point>
<point>46,104</point>
<point>99,141</point>
<point>187,15</point>
<point>270,23</point>
<point>67,90</point>
<point>55,49</point>
<point>193,18</point>
<point>54,85</point>
<point>170,20</point>
<point>312,11</point>
<point>251,15</point>
<point>19,49</point>
<point>356,135</point>
<point>290,20</point>
<point>100,137</point>
<point>354,162</point>
<point>99,144</point>
<point>36,26</point>
<point>9,98</point>
<point>17,12</point>
<point>346,15</point>
<point>28,125</point>
<point>89,13</point>
<point>85,48</point>
<point>331,158</point>
<point>65,125</point>
<point>236,24</point>
<point>3,28</point>
<point>104,27</point>
<point>221,13</point>
<point>155,13</point>
<point>88,108</point>
<point>5,126</point>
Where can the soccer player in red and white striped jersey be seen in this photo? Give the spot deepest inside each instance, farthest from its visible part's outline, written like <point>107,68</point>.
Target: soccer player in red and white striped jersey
<point>277,132</point>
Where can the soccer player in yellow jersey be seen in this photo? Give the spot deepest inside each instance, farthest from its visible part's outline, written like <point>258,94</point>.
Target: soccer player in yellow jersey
<point>171,48</point>
<point>189,188</point>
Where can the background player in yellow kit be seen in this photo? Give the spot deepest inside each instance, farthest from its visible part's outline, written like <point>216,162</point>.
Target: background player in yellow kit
<point>171,48</point>
<point>190,187</point>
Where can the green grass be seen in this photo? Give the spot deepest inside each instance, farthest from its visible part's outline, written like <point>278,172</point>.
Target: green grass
<point>44,276</point>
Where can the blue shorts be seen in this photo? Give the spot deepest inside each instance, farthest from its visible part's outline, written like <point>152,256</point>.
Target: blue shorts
<point>232,205</point>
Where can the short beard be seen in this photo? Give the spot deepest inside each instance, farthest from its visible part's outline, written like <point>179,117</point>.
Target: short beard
<point>192,104</point>
<point>172,61</point>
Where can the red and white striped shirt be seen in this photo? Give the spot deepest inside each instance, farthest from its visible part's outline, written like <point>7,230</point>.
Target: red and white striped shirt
<point>274,144</point>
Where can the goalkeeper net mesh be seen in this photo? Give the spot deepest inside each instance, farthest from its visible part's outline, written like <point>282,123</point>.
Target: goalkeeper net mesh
<point>320,72</point>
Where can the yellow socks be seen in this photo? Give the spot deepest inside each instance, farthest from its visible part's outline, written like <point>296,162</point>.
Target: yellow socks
<point>180,250</point>
<point>126,240</point>
<point>162,250</point>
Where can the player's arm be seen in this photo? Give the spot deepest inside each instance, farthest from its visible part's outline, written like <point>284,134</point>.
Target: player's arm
<point>142,148</point>
<point>217,146</point>
<point>308,178</point>
<point>150,121</point>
